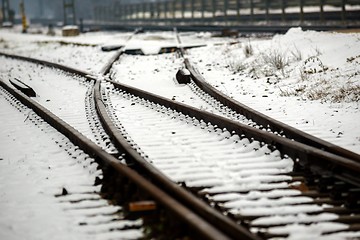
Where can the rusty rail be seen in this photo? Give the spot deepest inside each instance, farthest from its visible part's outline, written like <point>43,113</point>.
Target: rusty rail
<point>202,227</point>
<point>318,160</point>
<point>214,217</point>
<point>194,222</point>
<point>312,158</point>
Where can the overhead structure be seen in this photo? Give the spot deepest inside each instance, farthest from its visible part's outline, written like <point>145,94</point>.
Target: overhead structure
<point>245,15</point>
<point>69,12</point>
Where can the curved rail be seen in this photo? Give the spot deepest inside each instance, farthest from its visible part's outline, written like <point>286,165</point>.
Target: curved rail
<point>311,158</point>
<point>201,226</point>
<point>204,210</point>
<point>325,162</point>
<point>224,223</point>
<point>47,63</point>
<point>262,119</point>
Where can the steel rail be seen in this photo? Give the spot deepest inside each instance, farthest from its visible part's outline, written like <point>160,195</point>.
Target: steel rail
<point>317,160</point>
<point>245,108</point>
<point>47,63</point>
<point>196,223</point>
<point>81,143</point>
<point>82,73</point>
<point>195,204</point>
<point>224,223</point>
<point>312,158</point>
<point>262,119</point>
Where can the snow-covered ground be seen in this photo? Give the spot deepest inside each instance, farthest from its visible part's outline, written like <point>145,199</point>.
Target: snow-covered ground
<point>310,80</point>
<point>36,164</point>
<point>82,52</point>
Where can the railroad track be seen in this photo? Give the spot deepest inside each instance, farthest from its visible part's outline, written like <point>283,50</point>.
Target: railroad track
<point>116,174</point>
<point>70,176</point>
<point>164,110</point>
<point>264,177</point>
<point>259,185</point>
<point>133,103</point>
<point>199,84</point>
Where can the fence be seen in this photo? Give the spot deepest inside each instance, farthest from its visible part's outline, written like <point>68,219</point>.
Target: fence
<point>231,11</point>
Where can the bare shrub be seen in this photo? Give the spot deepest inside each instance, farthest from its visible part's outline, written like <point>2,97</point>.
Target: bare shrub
<point>349,93</point>
<point>343,94</point>
<point>318,94</point>
<point>297,91</point>
<point>296,53</point>
<point>236,65</point>
<point>317,51</point>
<point>275,59</point>
<point>248,49</point>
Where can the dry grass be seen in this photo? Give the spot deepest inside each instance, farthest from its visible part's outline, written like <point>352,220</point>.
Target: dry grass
<point>248,49</point>
<point>324,92</point>
<point>64,43</point>
<point>297,91</point>
<point>236,66</point>
<point>296,54</point>
<point>348,94</point>
<point>273,61</point>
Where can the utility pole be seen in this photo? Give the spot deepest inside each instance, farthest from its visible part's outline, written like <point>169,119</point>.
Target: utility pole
<point>23,17</point>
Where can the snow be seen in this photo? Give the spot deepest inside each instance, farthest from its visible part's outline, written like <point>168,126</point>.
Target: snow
<point>34,167</point>
<point>255,195</point>
<point>67,102</point>
<point>299,218</point>
<point>328,100</point>
<point>151,43</point>
<point>318,81</point>
<point>315,229</point>
<point>81,52</point>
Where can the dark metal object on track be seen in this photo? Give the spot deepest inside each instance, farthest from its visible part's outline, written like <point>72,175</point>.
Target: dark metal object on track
<point>26,89</point>
<point>183,76</point>
<point>109,48</point>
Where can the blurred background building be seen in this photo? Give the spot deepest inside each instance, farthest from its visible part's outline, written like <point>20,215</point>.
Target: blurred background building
<point>187,12</point>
